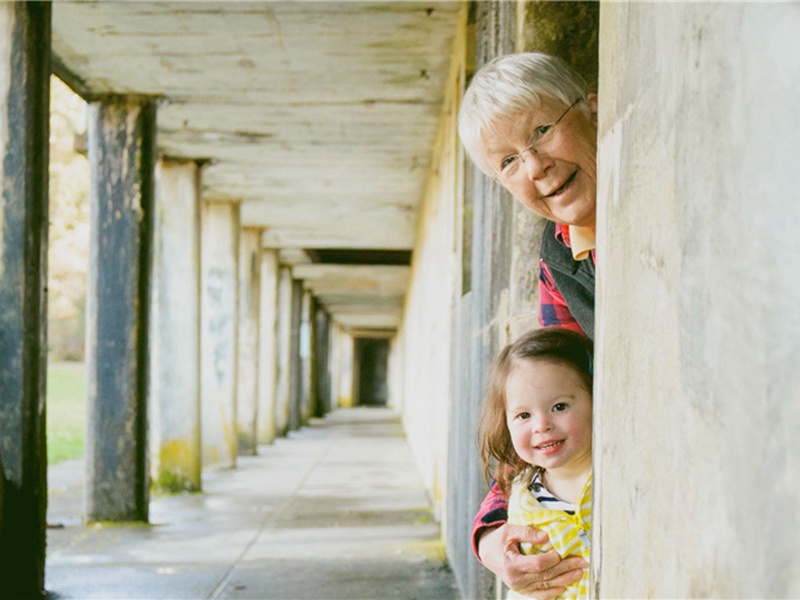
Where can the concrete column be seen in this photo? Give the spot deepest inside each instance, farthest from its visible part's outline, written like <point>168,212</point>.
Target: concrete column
<point>335,360</point>
<point>345,354</point>
<point>219,332</point>
<point>175,446</point>
<point>24,132</point>
<point>282,390</point>
<point>321,362</point>
<point>295,359</point>
<point>267,347</point>
<point>122,160</point>
<point>305,361</point>
<point>247,394</point>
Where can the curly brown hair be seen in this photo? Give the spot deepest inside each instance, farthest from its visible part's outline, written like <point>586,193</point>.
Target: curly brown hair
<point>552,344</point>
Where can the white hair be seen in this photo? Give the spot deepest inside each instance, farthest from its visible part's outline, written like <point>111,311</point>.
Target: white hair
<point>508,86</point>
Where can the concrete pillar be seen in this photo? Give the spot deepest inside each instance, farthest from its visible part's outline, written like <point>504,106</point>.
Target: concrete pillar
<point>335,361</point>
<point>295,358</point>
<point>345,353</point>
<point>282,389</point>
<point>267,347</point>
<point>249,292</point>
<point>305,360</point>
<point>321,362</point>
<point>122,160</point>
<point>175,445</point>
<point>219,332</point>
<point>24,132</point>
<point>697,386</point>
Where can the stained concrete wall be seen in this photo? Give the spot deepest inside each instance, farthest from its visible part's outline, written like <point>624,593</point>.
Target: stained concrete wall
<point>698,390</point>
<point>427,321</point>
<point>220,226</point>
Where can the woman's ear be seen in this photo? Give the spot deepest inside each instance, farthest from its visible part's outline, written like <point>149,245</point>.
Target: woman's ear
<point>591,102</point>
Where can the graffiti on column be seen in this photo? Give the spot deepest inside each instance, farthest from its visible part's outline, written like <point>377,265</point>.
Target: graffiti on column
<point>220,306</point>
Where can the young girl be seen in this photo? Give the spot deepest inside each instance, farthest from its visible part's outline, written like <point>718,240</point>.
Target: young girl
<point>536,438</point>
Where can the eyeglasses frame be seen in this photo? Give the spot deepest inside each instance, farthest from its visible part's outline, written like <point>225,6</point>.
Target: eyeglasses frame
<point>496,175</point>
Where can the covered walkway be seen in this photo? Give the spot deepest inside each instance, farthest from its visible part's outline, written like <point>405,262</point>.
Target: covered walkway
<point>335,510</point>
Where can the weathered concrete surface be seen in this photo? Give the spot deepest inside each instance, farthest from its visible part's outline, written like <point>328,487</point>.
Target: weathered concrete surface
<point>220,227</point>
<point>24,127</point>
<point>320,116</point>
<point>343,384</point>
<point>295,363</point>
<point>698,387</point>
<point>305,350</point>
<point>122,165</point>
<point>175,447</point>
<point>267,347</point>
<point>336,511</point>
<point>249,304</point>
<point>282,389</point>
<point>568,30</point>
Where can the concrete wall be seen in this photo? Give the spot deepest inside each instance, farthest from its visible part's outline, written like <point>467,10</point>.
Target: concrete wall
<point>432,290</point>
<point>699,335</point>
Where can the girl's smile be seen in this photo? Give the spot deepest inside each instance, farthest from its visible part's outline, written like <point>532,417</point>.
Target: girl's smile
<point>549,417</point>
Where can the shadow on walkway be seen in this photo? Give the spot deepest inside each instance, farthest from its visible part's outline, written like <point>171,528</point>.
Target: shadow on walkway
<point>334,511</point>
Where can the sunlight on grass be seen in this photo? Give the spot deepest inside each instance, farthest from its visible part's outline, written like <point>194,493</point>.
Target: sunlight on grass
<point>66,411</point>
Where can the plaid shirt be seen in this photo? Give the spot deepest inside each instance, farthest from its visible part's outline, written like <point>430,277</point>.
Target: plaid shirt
<point>553,312</point>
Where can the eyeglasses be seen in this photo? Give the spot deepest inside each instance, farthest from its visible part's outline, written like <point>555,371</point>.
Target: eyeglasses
<point>537,143</point>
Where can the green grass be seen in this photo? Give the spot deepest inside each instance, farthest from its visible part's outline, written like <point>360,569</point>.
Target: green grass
<point>66,411</point>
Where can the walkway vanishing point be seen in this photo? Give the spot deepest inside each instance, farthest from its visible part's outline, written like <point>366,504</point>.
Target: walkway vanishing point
<point>335,511</point>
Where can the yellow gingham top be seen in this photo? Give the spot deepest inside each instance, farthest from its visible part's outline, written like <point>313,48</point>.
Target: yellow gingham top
<point>569,534</point>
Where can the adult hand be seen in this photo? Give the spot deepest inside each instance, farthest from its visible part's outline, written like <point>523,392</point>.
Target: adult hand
<point>540,576</point>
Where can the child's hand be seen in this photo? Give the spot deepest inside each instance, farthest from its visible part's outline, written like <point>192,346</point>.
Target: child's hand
<point>541,576</point>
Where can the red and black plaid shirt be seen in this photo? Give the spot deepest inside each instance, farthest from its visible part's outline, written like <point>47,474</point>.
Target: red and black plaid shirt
<point>553,311</point>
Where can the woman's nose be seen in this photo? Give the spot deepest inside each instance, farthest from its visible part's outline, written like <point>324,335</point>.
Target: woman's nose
<point>535,164</point>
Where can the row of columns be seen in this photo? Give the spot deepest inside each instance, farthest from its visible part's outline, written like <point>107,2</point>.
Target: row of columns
<point>200,343</point>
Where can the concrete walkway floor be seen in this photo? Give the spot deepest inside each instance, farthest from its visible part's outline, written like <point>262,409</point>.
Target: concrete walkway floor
<point>334,511</point>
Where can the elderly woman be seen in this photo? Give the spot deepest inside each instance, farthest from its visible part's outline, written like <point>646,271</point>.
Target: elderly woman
<point>528,121</point>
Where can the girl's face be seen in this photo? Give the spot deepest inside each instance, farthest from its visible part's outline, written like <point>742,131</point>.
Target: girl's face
<point>549,417</point>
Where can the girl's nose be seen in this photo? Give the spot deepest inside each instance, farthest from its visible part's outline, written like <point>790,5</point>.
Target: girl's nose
<point>541,423</point>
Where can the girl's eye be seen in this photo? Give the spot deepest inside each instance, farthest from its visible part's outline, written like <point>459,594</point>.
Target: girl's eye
<point>523,415</point>
<point>560,407</point>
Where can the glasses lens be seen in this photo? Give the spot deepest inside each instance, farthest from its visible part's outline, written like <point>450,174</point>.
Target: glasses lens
<point>507,167</point>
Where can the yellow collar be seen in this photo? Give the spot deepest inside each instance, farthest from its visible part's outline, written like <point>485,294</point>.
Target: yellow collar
<point>582,241</point>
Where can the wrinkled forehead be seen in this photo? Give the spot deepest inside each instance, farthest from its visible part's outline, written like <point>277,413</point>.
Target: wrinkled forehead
<point>506,128</point>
